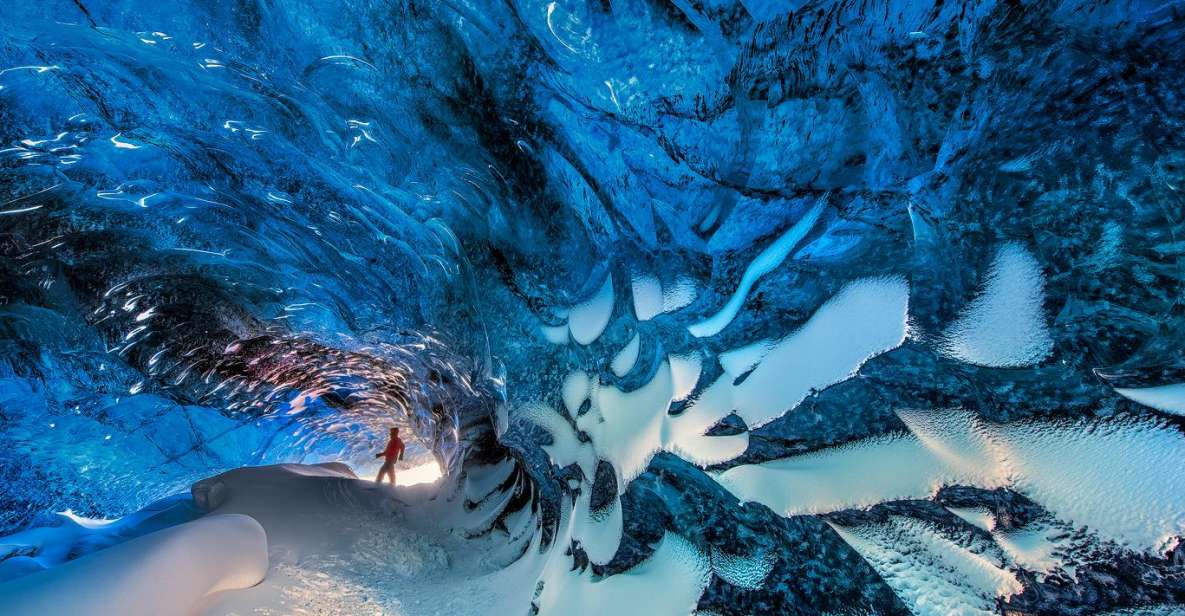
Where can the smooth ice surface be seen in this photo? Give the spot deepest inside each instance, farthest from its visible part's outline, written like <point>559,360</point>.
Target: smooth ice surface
<point>648,298</point>
<point>589,318</point>
<point>762,264</point>
<point>1005,325</point>
<point>242,233</point>
<point>555,334</point>
<point>1167,398</point>
<point>171,571</point>
<point>625,359</point>
<point>679,294</point>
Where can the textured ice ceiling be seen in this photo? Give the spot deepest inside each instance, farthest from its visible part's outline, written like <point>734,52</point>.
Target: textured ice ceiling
<point>795,307</point>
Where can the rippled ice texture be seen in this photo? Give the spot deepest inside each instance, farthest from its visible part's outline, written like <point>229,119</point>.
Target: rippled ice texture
<point>815,306</point>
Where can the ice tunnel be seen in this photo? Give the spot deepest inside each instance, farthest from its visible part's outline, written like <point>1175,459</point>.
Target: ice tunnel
<point>686,307</point>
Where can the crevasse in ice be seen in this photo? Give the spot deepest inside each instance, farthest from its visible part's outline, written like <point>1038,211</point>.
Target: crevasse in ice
<point>779,307</point>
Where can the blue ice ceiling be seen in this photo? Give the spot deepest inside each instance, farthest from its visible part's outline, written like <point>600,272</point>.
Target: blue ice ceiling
<point>889,274</point>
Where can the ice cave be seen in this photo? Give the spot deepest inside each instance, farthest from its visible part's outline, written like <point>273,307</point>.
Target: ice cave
<point>679,307</point>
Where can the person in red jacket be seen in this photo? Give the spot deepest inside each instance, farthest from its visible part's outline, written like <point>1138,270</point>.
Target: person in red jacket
<point>393,452</point>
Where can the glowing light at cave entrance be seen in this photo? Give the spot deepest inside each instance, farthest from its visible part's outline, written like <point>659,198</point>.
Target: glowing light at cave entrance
<point>424,473</point>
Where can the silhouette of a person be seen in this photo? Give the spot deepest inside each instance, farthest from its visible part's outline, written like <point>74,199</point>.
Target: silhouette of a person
<point>393,452</point>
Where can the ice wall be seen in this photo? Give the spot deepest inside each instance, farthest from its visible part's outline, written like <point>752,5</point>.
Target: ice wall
<point>746,292</point>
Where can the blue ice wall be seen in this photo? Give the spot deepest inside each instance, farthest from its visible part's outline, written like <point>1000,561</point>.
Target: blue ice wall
<point>251,231</point>
<point>214,257</point>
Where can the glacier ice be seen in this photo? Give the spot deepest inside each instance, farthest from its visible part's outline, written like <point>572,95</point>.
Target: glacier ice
<point>765,262</point>
<point>810,307</point>
<point>647,296</point>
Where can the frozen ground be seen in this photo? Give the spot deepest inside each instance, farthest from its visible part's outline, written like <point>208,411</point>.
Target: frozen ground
<point>334,544</point>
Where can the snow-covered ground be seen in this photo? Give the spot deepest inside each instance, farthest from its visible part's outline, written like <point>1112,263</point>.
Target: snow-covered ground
<point>293,539</point>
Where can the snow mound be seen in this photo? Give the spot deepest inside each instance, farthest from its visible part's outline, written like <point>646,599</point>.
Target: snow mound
<point>287,539</point>
<point>341,545</point>
<point>166,572</point>
<point>64,536</point>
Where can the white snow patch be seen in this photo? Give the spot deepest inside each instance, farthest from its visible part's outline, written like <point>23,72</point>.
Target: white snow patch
<point>625,359</point>
<point>565,448</point>
<point>861,474</point>
<point>344,545</point>
<point>975,516</point>
<point>574,390</point>
<point>480,481</point>
<point>336,545</point>
<point>748,572</point>
<point>626,429</point>
<point>648,300</point>
<point>931,574</point>
<point>1004,326</point>
<point>741,360</point>
<point>588,319</point>
<point>599,532</point>
<point>1166,398</point>
<point>1123,477</point>
<point>1078,470</point>
<point>669,582</point>
<point>685,371</point>
<point>1032,547</point>
<point>555,334</point>
<point>866,318</point>
<point>428,472</point>
<point>652,298</point>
